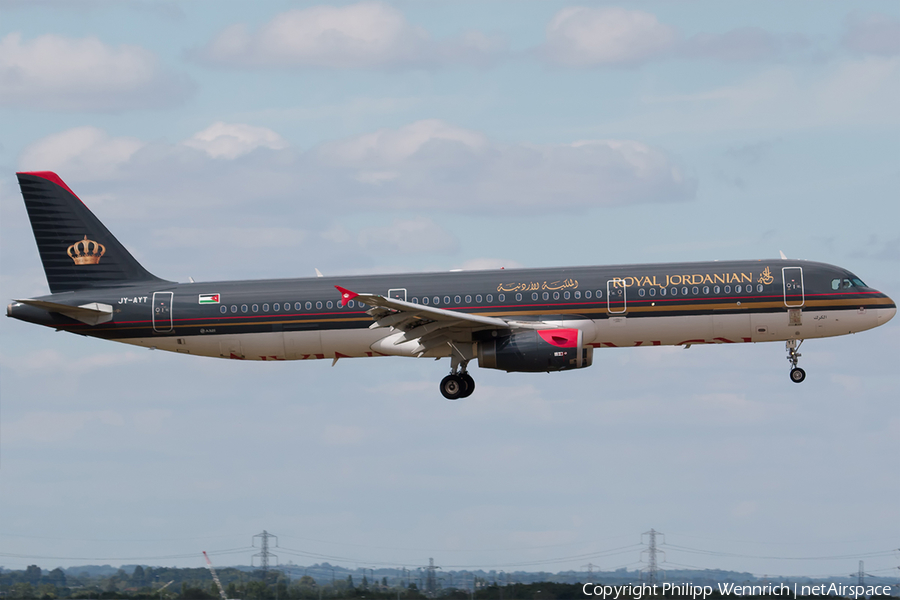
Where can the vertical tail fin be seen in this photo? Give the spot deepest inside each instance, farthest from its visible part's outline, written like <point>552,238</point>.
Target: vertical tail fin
<point>76,249</point>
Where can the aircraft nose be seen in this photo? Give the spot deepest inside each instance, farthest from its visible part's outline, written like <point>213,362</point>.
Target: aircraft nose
<point>887,313</point>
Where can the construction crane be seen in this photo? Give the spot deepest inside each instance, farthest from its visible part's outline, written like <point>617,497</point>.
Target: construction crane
<point>215,577</point>
<point>160,590</point>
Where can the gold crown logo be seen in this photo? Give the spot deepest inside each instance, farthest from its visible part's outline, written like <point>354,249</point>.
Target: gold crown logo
<point>86,252</point>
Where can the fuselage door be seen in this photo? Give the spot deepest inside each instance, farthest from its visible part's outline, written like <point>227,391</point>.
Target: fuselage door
<point>397,294</point>
<point>162,312</point>
<point>616,296</point>
<point>793,286</point>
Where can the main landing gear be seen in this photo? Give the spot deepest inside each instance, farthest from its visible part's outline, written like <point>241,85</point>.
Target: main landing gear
<point>458,384</point>
<point>797,374</point>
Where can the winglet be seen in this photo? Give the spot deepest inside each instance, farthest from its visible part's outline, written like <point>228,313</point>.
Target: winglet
<point>346,295</point>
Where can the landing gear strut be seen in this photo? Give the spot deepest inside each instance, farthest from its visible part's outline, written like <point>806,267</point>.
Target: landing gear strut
<point>458,384</point>
<point>797,374</point>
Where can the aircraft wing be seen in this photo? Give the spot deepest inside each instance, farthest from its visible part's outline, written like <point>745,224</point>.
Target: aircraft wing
<point>429,325</point>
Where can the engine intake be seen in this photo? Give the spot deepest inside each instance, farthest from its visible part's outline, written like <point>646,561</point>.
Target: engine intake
<point>536,351</point>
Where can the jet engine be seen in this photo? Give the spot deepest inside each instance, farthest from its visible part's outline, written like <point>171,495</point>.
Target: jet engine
<point>536,351</point>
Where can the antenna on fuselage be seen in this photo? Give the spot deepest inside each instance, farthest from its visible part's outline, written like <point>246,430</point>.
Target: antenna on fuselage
<point>783,257</point>
<point>319,273</point>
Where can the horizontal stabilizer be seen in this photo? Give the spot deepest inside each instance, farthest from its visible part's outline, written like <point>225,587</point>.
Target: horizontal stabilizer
<point>93,313</point>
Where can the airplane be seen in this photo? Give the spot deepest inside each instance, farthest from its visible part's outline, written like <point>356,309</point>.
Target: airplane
<point>517,320</point>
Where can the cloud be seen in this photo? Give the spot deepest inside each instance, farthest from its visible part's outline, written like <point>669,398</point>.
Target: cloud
<point>409,236</point>
<point>88,151</point>
<point>585,37</point>
<point>744,44</point>
<point>479,264</point>
<point>224,140</point>
<point>357,36</point>
<point>873,34</point>
<point>52,72</point>
<point>426,165</point>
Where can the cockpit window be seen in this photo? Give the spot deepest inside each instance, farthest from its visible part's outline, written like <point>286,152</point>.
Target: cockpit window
<point>846,283</point>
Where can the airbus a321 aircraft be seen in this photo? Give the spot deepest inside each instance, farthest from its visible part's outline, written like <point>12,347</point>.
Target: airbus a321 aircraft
<point>524,320</point>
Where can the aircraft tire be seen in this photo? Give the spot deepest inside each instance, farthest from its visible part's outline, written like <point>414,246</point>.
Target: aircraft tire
<point>469,383</point>
<point>798,375</point>
<point>452,387</point>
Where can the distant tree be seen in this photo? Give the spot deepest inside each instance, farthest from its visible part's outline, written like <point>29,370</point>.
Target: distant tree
<point>57,577</point>
<point>365,582</point>
<point>22,590</point>
<point>137,578</point>
<point>231,590</point>
<point>307,581</point>
<point>33,574</point>
<point>350,581</point>
<point>384,582</point>
<point>257,590</point>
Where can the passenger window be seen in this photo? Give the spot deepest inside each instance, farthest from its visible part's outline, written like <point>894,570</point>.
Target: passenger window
<point>705,290</point>
<point>350,304</point>
<point>599,293</point>
<point>759,287</point>
<point>415,300</point>
<point>309,306</point>
<point>243,308</point>
<point>518,297</point>
<point>727,289</point>
<point>662,291</point>
<point>329,304</point>
<point>534,296</point>
<point>489,298</point>
<point>716,289</point>
<point>567,295</point>
<point>674,291</point>
<point>587,294</point>
<point>684,291</point>
<point>457,299</point>
<point>446,299</point>
<point>641,292</point>
<point>695,290</point>
<point>436,300</point>
<point>578,295</point>
<point>276,307</point>
<point>546,295</point>
<point>653,291</point>
<point>556,295</point>
<point>468,299</point>
<point>737,289</point>
<point>265,308</point>
<point>298,306</point>
<point>425,300</point>
<point>255,308</point>
<point>501,297</point>
<point>319,305</point>
<point>478,298</point>
<point>223,309</point>
<point>234,308</point>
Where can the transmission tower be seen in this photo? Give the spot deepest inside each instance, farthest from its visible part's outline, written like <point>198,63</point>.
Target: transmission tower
<point>652,551</point>
<point>590,570</point>
<point>264,553</point>
<point>430,579</point>
<point>861,576</point>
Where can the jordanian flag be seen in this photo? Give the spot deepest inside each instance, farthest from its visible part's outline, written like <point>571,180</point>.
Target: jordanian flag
<point>209,298</point>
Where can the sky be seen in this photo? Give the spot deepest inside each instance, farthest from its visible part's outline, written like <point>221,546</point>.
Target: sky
<point>235,140</point>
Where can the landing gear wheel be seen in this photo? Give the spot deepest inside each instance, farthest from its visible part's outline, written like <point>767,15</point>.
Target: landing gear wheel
<point>453,387</point>
<point>469,385</point>
<point>798,375</point>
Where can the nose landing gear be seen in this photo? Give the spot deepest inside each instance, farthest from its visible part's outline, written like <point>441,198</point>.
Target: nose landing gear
<point>792,346</point>
<point>458,384</point>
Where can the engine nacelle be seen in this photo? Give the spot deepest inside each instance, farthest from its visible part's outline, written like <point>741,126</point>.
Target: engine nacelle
<point>536,351</point>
